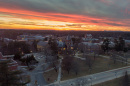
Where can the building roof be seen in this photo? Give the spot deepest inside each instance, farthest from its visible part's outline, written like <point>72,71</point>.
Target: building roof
<point>90,44</point>
<point>68,37</point>
<point>89,34</point>
<point>60,44</point>
<point>29,42</point>
<point>127,41</point>
<point>5,57</point>
<point>90,39</point>
<point>72,43</point>
<point>42,43</point>
<point>23,35</point>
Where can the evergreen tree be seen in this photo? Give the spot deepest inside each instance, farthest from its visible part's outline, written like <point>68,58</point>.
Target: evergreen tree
<point>116,45</point>
<point>8,77</point>
<point>105,45</point>
<point>17,56</point>
<point>120,45</point>
<point>53,45</point>
<point>35,45</point>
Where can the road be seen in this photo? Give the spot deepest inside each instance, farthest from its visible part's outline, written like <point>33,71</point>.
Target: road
<point>37,73</point>
<point>84,81</point>
<point>94,78</point>
<point>40,79</point>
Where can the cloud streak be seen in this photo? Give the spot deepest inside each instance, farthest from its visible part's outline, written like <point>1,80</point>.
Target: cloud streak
<point>93,12</point>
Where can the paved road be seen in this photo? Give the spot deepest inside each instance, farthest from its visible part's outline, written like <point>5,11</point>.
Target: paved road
<point>40,79</point>
<point>37,73</point>
<point>94,78</point>
<point>59,73</point>
<point>39,76</point>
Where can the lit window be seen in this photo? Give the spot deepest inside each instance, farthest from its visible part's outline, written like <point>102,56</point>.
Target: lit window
<point>64,48</point>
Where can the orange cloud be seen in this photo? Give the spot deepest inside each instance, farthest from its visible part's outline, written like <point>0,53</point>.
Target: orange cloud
<point>34,19</point>
<point>55,16</point>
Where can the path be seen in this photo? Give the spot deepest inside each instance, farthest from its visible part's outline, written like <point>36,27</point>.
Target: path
<point>37,73</point>
<point>59,74</point>
<point>94,78</point>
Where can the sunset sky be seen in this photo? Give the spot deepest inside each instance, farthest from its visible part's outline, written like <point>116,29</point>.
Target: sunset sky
<point>89,15</point>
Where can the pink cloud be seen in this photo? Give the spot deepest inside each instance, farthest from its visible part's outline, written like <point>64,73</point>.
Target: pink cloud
<point>72,18</point>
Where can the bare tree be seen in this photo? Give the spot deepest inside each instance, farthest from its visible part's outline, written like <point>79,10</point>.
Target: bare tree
<point>126,58</point>
<point>51,59</point>
<point>75,67</point>
<point>67,63</point>
<point>89,62</point>
<point>113,57</point>
<point>47,51</point>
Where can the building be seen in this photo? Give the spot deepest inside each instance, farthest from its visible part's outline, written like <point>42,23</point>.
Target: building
<point>89,38</point>
<point>127,42</point>
<point>13,65</point>
<point>7,40</point>
<point>69,43</point>
<point>61,46</point>
<point>22,37</point>
<point>30,38</point>
<point>89,47</point>
<point>41,45</point>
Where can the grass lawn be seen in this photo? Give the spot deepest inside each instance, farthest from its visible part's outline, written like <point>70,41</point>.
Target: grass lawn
<point>128,55</point>
<point>99,65</point>
<point>114,82</point>
<point>52,75</point>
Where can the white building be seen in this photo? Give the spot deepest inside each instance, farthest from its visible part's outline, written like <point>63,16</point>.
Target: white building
<point>30,38</point>
<point>89,38</point>
<point>13,65</point>
<point>41,45</point>
<point>89,47</point>
<point>127,42</point>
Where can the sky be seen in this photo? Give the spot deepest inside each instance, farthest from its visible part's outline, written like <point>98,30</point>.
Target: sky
<point>88,15</point>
